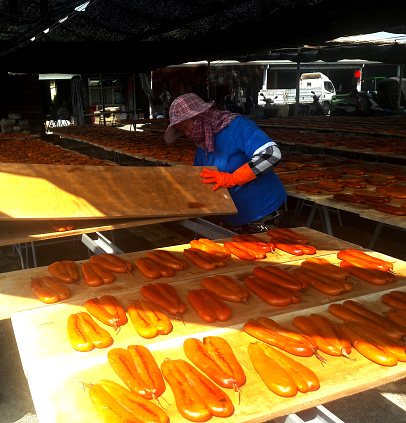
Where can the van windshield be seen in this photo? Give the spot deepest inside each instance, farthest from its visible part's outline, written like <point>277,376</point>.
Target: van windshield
<point>328,86</point>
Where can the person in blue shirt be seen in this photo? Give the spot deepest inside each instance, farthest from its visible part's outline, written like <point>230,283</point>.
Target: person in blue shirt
<point>243,154</point>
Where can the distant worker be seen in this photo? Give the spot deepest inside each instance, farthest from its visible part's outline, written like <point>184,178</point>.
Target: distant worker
<point>63,111</point>
<point>243,154</point>
<point>63,115</point>
<point>166,98</point>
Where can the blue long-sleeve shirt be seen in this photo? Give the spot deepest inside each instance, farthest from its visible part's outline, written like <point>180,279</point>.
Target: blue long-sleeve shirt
<point>243,142</point>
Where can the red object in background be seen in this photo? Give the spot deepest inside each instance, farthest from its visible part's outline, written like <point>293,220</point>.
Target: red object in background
<point>92,110</point>
<point>357,74</point>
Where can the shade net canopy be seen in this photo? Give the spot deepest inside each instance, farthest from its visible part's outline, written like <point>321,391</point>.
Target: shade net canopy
<point>51,36</point>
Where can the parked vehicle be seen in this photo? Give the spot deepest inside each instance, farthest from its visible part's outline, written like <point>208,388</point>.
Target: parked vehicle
<point>242,106</point>
<point>268,100</point>
<point>356,103</point>
<point>233,106</point>
<point>311,84</point>
<point>247,104</point>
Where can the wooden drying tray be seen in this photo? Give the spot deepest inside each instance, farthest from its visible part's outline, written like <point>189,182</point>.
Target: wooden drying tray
<point>56,372</point>
<point>21,231</point>
<point>16,294</point>
<point>107,192</point>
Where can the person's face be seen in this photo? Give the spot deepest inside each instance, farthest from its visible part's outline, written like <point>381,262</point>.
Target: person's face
<point>185,126</point>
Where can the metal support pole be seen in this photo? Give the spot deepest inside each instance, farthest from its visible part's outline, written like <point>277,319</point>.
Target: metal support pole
<point>151,112</point>
<point>102,98</point>
<point>265,77</point>
<point>208,80</point>
<point>296,110</point>
<point>134,100</point>
<point>400,75</point>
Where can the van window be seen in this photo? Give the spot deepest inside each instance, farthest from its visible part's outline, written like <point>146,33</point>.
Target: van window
<point>328,86</point>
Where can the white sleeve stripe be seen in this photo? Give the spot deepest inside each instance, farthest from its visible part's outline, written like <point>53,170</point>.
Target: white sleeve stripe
<point>263,147</point>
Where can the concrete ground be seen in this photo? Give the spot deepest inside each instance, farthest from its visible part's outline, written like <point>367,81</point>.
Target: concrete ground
<point>384,404</point>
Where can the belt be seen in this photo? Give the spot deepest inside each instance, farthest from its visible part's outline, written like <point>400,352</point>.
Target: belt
<point>270,217</point>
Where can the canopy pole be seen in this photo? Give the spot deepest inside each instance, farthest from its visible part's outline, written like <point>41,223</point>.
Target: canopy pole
<point>400,75</point>
<point>134,100</point>
<point>265,77</point>
<point>208,80</point>
<point>296,110</point>
<point>102,98</point>
<point>151,110</point>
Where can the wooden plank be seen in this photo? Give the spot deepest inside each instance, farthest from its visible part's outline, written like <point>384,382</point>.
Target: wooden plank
<point>101,192</point>
<point>54,317</point>
<point>21,231</point>
<point>367,211</point>
<point>16,295</point>
<point>56,372</point>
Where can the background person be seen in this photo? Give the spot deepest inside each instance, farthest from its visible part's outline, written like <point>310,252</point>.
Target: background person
<point>243,154</point>
<point>166,98</point>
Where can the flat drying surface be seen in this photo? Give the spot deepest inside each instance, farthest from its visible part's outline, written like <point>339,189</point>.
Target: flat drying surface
<point>101,192</point>
<point>56,372</point>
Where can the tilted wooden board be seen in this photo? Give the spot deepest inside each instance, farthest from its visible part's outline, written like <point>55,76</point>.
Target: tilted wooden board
<point>102,192</point>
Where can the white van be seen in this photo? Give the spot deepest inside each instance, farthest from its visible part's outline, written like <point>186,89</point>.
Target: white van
<point>317,82</point>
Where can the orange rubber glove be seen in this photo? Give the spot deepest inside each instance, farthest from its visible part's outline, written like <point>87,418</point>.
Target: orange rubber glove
<point>240,176</point>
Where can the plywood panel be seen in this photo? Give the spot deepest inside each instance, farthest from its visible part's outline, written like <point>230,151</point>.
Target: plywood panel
<point>16,295</point>
<point>56,372</point>
<point>101,192</point>
<point>19,230</point>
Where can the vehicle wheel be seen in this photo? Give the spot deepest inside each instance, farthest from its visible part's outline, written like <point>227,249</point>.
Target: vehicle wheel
<point>326,108</point>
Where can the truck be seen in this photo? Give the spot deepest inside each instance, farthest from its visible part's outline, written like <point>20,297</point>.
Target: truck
<point>315,83</point>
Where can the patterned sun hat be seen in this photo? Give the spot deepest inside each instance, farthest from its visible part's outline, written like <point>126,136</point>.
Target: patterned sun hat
<point>184,107</point>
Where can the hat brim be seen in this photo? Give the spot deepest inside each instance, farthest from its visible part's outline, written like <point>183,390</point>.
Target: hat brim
<point>172,134</point>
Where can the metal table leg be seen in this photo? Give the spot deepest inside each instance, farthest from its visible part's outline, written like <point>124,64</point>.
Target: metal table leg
<point>378,231</point>
<point>205,228</point>
<point>34,255</point>
<point>19,250</point>
<point>117,157</point>
<point>318,414</point>
<point>27,255</point>
<point>376,234</point>
<point>100,245</point>
<point>311,215</point>
<point>296,211</point>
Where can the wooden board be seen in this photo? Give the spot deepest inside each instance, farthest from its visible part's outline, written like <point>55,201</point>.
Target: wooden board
<point>54,317</point>
<point>367,211</point>
<point>364,210</point>
<point>56,372</point>
<point>102,192</point>
<point>16,295</point>
<point>20,231</point>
